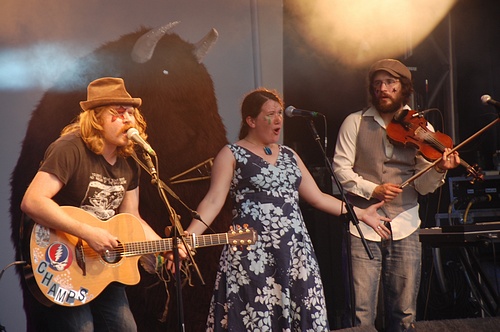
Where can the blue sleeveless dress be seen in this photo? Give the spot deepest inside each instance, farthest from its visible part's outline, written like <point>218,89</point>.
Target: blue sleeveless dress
<point>275,284</point>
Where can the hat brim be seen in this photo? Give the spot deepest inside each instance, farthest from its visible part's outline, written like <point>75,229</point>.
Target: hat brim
<point>91,104</point>
<point>389,70</point>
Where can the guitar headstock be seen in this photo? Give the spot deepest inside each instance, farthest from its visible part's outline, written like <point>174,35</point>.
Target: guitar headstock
<point>241,236</point>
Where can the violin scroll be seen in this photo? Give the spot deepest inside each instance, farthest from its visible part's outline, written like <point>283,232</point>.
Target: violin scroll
<point>476,173</point>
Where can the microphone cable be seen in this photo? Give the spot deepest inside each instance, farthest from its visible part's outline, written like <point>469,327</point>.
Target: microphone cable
<point>9,265</point>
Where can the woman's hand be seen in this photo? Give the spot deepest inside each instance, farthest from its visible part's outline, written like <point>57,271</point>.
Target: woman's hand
<point>370,217</point>
<point>182,255</point>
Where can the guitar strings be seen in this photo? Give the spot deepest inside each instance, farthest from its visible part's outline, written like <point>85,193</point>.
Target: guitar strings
<point>156,246</point>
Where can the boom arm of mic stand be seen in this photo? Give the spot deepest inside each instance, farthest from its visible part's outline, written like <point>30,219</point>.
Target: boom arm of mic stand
<point>174,218</point>
<point>350,210</point>
<point>154,180</point>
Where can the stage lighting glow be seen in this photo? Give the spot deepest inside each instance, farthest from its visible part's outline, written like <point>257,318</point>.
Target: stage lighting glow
<point>37,66</point>
<point>361,31</point>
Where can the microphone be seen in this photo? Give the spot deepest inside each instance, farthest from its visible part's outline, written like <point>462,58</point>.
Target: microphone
<point>291,111</point>
<point>133,134</point>
<point>486,99</point>
<point>151,167</point>
<point>421,113</point>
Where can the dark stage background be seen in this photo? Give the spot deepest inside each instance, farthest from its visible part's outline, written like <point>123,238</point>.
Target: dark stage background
<point>316,82</point>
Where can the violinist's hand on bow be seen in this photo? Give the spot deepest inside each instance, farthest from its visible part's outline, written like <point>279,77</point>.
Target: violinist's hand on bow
<point>386,192</point>
<point>370,217</point>
<point>449,160</point>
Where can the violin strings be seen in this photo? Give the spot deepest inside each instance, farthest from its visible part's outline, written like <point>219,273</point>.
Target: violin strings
<point>427,137</point>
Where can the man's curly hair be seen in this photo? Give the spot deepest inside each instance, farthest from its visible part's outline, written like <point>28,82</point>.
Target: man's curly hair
<point>88,125</point>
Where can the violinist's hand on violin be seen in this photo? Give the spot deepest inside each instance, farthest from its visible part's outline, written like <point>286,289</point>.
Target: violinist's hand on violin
<point>449,160</point>
<point>386,192</point>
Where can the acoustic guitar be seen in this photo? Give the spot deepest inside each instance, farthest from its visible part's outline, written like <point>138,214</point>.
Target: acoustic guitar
<point>62,269</point>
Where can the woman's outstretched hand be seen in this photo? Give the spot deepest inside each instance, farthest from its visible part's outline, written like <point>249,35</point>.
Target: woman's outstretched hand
<point>370,217</point>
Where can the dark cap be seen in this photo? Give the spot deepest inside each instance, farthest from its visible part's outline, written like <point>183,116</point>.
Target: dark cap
<point>392,66</point>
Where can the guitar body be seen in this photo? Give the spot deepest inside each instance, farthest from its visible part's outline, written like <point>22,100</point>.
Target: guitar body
<point>62,269</point>
<point>67,272</point>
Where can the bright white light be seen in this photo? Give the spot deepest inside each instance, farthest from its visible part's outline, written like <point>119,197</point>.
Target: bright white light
<point>358,32</point>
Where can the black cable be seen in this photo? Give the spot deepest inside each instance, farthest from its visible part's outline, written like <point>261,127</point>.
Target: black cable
<point>9,265</point>
<point>2,328</point>
<point>495,266</point>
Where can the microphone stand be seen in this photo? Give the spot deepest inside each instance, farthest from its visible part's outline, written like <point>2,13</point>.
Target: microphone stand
<point>351,216</point>
<point>176,234</point>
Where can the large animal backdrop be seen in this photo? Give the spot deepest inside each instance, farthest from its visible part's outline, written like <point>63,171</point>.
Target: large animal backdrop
<point>185,130</point>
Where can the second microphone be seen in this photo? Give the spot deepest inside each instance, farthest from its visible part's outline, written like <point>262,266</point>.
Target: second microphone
<point>291,111</point>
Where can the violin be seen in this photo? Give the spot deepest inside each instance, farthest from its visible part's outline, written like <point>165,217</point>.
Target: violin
<point>410,129</point>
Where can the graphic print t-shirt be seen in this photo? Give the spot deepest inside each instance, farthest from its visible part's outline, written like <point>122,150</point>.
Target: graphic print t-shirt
<point>90,182</point>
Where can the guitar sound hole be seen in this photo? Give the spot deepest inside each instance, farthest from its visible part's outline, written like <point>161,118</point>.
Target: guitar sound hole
<point>112,256</point>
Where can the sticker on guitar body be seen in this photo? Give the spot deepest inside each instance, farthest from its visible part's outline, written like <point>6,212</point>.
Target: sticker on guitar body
<point>52,268</point>
<point>56,290</point>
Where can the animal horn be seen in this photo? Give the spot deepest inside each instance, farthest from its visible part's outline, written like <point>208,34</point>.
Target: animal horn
<point>145,45</point>
<point>202,47</point>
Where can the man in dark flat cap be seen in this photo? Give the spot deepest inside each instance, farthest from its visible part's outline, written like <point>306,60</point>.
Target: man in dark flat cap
<point>371,169</point>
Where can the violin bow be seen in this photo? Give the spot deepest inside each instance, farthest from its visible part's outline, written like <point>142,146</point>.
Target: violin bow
<point>417,175</point>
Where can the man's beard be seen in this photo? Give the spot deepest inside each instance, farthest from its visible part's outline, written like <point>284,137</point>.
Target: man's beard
<point>388,107</point>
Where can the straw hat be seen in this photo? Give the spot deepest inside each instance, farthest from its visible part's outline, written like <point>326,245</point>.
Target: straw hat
<point>108,91</point>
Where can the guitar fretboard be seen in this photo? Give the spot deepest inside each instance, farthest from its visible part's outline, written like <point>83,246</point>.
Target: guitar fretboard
<point>149,247</point>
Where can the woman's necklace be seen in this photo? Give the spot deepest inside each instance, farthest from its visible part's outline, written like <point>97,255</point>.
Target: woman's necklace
<point>267,150</point>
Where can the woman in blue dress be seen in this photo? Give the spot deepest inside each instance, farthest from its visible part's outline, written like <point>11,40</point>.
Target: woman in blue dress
<point>275,284</point>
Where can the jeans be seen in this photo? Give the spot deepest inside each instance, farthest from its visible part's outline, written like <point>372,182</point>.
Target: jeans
<point>110,311</point>
<point>398,264</point>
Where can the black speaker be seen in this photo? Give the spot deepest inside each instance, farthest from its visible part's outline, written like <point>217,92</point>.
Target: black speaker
<point>463,325</point>
<point>450,325</point>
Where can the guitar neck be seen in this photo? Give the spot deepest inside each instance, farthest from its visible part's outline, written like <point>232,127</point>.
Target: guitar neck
<point>149,247</point>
